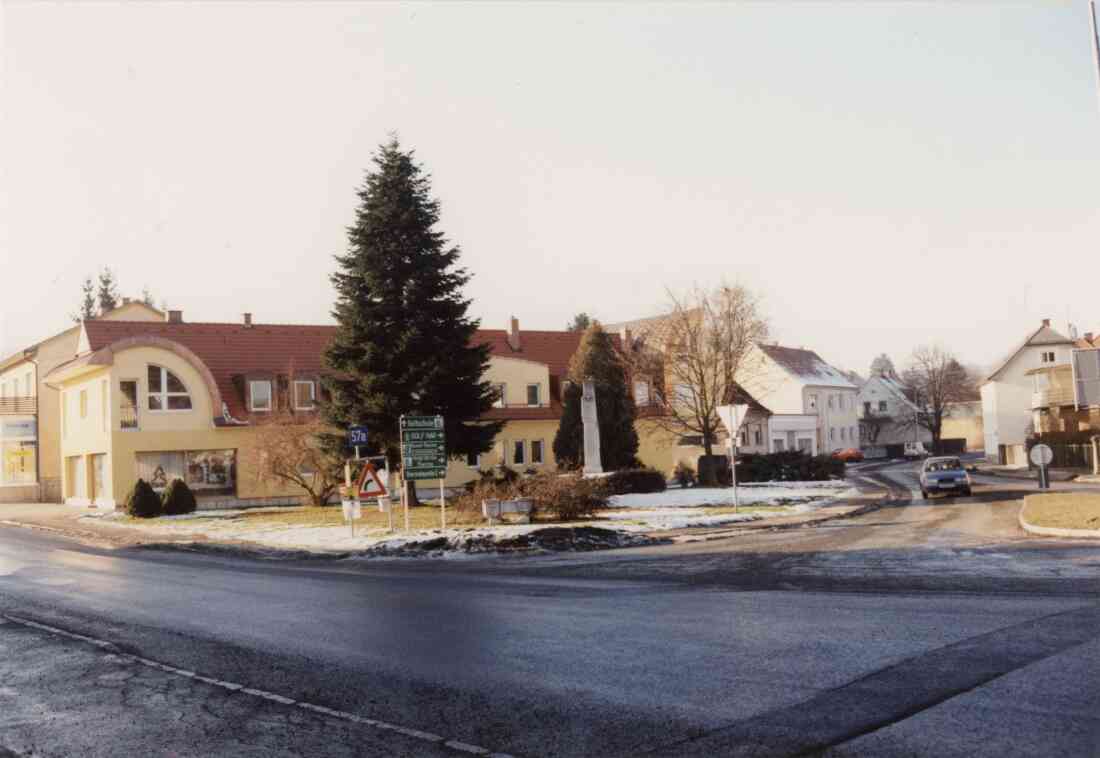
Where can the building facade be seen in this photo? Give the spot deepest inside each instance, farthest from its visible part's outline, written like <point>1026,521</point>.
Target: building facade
<point>887,418</point>
<point>30,411</point>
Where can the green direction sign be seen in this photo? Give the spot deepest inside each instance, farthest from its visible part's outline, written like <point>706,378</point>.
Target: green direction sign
<point>423,447</point>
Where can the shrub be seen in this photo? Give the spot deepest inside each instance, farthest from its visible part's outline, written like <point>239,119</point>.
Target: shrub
<point>714,469</point>
<point>569,497</point>
<point>179,499</point>
<point>788,466</point>
<point>637,480</point>
<point>684,474</point>
<point>142,501</point>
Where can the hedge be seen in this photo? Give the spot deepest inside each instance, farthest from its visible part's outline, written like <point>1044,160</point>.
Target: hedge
<point>637,480</point>
<point>788,466</point>
<point>178,499</point>
<point>142,501</point>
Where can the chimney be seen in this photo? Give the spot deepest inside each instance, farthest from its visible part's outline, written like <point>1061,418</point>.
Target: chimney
<point>1046,322</point>
<point>513,334</point>
<point>627,338</point>
<point>174,317</point>
<point>248,320</point>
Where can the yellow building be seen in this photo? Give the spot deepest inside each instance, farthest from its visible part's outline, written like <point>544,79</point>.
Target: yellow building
<point>30,428</point>
<point>169,399</point>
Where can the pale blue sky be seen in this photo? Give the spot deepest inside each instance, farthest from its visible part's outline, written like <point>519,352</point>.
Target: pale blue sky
<point>884,174</point>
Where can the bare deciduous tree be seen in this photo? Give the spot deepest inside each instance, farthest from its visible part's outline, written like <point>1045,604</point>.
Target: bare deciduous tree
<point>934,380</point>
<point>288,450</point>
<point>697,354</point>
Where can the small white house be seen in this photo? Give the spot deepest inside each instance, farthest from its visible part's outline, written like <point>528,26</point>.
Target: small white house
<point>813,405</point>
<point>1008,393</point>
<point>886,418</point>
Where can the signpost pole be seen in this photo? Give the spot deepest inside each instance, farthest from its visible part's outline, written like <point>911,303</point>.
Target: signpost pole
<point>443,504</point>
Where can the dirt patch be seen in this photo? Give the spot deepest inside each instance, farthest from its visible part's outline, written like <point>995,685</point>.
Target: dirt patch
<point>550,539</point>
<point>1063,510</point>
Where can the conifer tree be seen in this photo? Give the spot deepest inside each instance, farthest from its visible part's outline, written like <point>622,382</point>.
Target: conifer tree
<point>598,360</point>
<point>404,342</point>
<point>86,309</point>
<point>108,293</point>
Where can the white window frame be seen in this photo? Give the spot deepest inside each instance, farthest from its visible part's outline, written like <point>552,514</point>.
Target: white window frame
<point>542,452</point>
<point>164,394</point>
<point>252,395</point>
<point>521,445</point>
<point>312,395</point>
<point>812,400</point>
<point>502,399</point>
<point>538,396</point>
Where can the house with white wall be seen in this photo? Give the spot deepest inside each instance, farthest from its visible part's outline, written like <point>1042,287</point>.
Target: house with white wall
<point>813,404</point>
<point>1009,393</point>
<point>886,418</point>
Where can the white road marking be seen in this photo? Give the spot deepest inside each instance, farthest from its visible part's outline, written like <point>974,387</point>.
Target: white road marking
<point>456,745</point>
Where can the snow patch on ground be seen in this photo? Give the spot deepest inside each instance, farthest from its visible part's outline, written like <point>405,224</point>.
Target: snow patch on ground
<point>756,493</point>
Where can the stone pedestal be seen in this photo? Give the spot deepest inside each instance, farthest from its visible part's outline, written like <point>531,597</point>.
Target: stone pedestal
<point>592,463</point>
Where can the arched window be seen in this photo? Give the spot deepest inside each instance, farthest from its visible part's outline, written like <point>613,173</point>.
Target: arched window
<point>166,391</point>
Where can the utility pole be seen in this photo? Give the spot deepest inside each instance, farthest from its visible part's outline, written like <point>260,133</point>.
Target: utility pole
<point>1095,41</point>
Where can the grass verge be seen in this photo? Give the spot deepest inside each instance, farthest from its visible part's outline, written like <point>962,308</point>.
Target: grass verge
<point>1063,510</point>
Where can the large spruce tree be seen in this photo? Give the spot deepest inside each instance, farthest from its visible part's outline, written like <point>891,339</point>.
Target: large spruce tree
<point>404,342</point>
<point>597,359</point>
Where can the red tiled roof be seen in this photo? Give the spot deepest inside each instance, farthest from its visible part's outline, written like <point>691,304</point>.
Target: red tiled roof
<point>235,350</point>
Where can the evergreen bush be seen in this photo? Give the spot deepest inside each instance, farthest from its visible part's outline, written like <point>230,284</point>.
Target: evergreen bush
<point>637,480</point>
<point>142,502</point>
<point>178,499</point>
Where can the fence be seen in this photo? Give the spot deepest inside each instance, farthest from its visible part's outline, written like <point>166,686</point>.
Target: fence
<point>1066,455</point>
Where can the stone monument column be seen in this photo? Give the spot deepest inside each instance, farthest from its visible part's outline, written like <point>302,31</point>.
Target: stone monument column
<point>589,417</point>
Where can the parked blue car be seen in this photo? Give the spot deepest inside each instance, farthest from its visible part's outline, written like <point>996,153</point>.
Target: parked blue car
<point>944,474</point>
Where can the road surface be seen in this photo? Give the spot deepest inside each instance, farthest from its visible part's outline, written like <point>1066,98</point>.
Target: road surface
<point>933,628</point>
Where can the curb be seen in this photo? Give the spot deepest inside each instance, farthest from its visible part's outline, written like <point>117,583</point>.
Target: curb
<point>1054,531</point>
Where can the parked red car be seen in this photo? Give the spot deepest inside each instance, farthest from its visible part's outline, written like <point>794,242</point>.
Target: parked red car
<point>849,455</point>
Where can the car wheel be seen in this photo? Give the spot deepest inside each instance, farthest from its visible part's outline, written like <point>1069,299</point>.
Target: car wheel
<point>967,492</point>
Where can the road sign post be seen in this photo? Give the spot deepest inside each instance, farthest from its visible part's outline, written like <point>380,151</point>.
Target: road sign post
<point>424,455</point>
<point>1041,455</point>
<point>732,417</point>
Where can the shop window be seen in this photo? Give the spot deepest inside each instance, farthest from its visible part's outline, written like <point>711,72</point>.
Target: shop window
<point>207,472</point>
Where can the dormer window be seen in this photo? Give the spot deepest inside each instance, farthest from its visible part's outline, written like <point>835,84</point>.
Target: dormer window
<point>305,398</point>
<point>1047,357</point>
<point>166,391</point>
<point>534,394</point>
<point>259,395</point>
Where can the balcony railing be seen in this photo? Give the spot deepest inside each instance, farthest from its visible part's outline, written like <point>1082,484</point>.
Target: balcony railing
<point>128,416</point>
<point>18,406</point>
<point>1053,397</point>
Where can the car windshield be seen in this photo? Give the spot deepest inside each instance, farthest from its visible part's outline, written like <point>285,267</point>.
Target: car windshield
<point>951,464</point>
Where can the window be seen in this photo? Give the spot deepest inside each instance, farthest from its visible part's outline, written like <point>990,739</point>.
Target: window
<point>128,404</point>
<point>882,406</point>
<point>813,402</point>
<point>830,402</point>
<point>843,433</point>
<point>83,404</point>
<point>534,394</point>
<point>744,437</point>
<point>1048,357</point>
<point>259,392</point>
<point>805,445</point>
<point>519,452</point>
<point>852,433</point>
<point>832,432</point>
<point>867,409</point>
<point>499,403</point>
<point>641,393</point>
<point>536,451</point>
<point>304,395</point>
<point>777,443</point>
<point>473,460</point>
<point>166,391</point>
<point>759,436</point>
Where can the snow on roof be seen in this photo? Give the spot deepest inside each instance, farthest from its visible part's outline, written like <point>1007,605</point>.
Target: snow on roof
<point>807,366</point>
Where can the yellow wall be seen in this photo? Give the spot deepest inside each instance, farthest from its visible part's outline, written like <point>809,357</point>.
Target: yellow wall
<point>965,421</point>
<point>459,473</point>
<point>85,428</point>
<point>515,374</point>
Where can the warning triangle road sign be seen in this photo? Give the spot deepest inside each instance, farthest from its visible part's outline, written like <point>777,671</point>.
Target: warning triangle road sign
<point>370,484</point>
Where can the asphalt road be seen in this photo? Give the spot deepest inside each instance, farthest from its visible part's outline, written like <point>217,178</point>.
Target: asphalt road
<point>919,629</point>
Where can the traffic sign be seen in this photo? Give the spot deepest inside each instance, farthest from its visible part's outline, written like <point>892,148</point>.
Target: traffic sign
<point>357,436</point>
<point>423,447</point>
<point>370,484</point>
<point>1042,455</point>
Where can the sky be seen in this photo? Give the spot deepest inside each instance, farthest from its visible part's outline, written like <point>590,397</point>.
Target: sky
<point>883,175</point>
